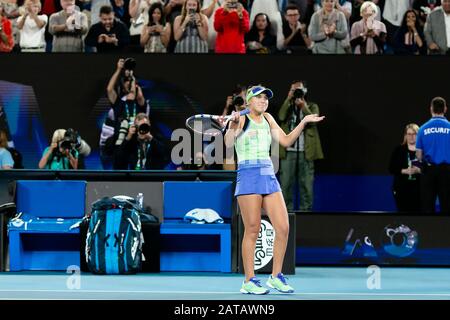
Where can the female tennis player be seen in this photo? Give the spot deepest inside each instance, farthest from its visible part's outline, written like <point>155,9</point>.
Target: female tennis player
<point>257,187</point>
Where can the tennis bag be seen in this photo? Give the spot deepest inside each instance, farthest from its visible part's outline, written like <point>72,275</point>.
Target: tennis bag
<point>114,238</point>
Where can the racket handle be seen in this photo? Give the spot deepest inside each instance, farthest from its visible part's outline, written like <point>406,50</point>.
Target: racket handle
<point>244,112</point>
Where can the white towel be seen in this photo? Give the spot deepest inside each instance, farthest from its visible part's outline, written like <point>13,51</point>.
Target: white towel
<point>202,216</point>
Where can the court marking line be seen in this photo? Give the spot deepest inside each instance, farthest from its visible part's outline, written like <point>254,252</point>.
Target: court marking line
<point>225,292</point>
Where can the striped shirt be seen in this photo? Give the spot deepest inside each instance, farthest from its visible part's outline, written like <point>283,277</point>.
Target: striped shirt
<point>191,42</point>
<point>68,41</point>
<point>254,143</point>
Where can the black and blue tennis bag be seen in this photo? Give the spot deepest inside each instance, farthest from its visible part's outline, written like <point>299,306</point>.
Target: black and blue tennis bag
<point>114,238</point>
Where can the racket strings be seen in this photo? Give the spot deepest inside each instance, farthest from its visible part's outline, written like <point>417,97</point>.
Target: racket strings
<point>204,125</point>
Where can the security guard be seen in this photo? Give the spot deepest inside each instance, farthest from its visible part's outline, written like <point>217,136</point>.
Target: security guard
<point>433,150</point>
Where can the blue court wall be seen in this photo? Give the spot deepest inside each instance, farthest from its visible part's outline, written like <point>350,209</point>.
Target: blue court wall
<point>353,193</point>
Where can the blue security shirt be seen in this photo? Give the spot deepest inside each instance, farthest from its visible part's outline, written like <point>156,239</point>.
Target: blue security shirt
<point>433,139</point>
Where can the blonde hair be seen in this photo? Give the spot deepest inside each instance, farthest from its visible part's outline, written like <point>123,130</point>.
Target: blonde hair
<point>141,116</point>
<point>184,10</point>
<point>368,4</point>
<point>412,126</point>
<point>58,135</point>
<point>3,139</point>
<point>34,2</point>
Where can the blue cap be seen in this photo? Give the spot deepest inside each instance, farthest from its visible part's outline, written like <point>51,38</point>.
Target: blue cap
<point>254,91</point>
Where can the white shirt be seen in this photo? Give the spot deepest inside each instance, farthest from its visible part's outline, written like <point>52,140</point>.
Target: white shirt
<point>269,7</point>
<point>447,27</point>
<point>212,34</point>
<point>394,10</point>
<point>30,35</point>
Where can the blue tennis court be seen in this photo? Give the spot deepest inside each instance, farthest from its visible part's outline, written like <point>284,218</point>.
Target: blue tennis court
<point>311,283</point>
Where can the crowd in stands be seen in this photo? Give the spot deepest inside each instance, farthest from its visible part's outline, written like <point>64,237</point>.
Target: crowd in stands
<point>404,27</point>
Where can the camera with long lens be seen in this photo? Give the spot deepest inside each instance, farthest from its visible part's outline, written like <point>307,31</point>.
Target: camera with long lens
<point>144,128</point>
<point>71,141</point>
<point>123,131</point>
<point>299,93</point>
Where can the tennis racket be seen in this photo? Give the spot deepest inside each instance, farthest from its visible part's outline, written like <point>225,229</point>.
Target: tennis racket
<point>209,125</point>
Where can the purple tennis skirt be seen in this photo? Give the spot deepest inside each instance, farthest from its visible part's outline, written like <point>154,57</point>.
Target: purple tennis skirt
<point>256,177</point>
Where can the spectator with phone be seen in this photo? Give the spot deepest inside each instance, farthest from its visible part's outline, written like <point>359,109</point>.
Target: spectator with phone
<point>141,150</point>
<point>155,35</point>
<point>68,26</point>
<point>231,22</point>
<point>138,10</point>
<point>32,27</point>
<point>108,35</point>
<point>190,29</point>
<point>406,186</point>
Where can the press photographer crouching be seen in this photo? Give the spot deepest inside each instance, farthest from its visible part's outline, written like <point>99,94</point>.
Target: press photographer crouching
<point>138,148</point>
<point>62,153</point>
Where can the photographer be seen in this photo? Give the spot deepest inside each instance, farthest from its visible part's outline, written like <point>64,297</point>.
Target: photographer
<point>140,150</point>
<point>108,35</point>
<point>297,161</point>
<point>235,102</point>
<point>127,100</point>
<point>68,27</point>
<point>61,154</point>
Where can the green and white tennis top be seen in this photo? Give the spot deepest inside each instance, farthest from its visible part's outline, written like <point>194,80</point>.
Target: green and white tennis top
<point>254,142</point>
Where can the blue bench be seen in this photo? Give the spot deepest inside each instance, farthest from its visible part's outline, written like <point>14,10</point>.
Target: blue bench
<point>196,247</point>
<point>44,237</point>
